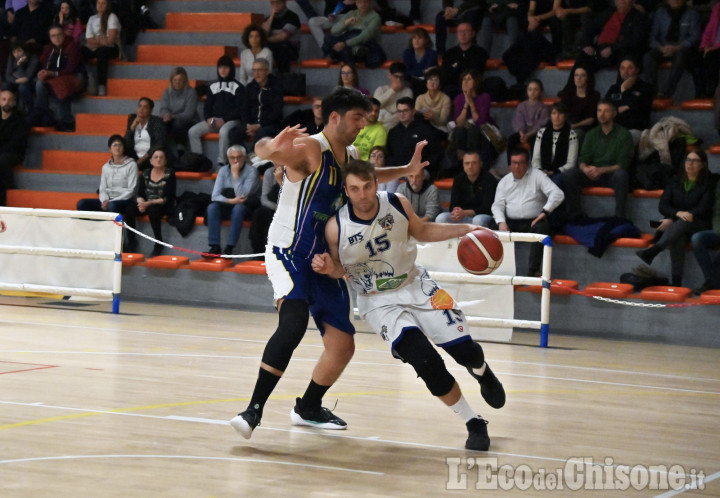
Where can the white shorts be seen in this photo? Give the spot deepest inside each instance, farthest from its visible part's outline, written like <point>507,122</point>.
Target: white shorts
<point>419,304</point>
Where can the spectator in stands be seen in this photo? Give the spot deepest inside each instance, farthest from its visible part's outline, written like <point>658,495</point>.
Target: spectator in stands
<point>263,108</point>
<point>31,23</point>
<point>632,97</point>
<point>355,37</point>
<point>68,18</point>
<point>156,194</point>
<point>706,76</point>
<point>422,194</point>
<point>389,94</point>
<point>255,39</point>
<point>310,119</point>
<point>283,28</point>
<point>20,75</point>
<point>614,34</point>
<point>434,105</point>
<point>178,107</point>
<point>62,75</point>
<point>530,115</point>
<point>263,215</point>
<point>403,137</point>
<point>319,25</point>
<point>378,158</point>
<point>502,14</point>
<point>462,57</point>
<point>674,37</point>
<point>235,195</point>
<point>573,16</point>
<point>580,99</point>
<point>705,241</point>
<point>472,194</point>
<point>14,132</point>
<point>118,182</point>
<point>556,145</point>
<point>373,133</point>
<point>144,133</point>
<point>523,201</point>
<point>418,58</point>
<point>470,11</point>
<point>541,14</point>
<point>471,109</point>
<point>102,41</point>
<point>222,110</point>
<point>348,77</point>
<point>686,206</point>
<point>604,160</point>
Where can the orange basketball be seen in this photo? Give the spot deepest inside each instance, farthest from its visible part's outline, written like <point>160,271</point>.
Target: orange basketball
<point>480,252</point>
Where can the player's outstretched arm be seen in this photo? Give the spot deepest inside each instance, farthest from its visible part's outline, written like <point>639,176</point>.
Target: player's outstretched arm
<point>429,231</point>
<point>415,166</point>
<point>289,147</point>
<point>328,263</point>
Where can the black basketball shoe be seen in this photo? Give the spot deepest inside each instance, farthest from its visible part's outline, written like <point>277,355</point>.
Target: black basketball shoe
<point>245,422</point>
<point>490,387</point>
<point>478,438</point>
<point>322,418</point>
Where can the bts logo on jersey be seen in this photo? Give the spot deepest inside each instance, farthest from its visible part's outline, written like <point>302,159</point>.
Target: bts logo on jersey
<point>354,239</point>
<point>387,222</point>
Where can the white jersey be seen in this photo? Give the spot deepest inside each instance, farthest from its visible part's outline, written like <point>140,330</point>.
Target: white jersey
<point>394,293</point>
<point>377,254</point>
<point>304,206</point>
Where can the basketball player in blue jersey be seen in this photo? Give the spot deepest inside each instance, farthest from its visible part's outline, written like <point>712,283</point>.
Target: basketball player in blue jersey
<point>311,193</point>
<point>369,240</point>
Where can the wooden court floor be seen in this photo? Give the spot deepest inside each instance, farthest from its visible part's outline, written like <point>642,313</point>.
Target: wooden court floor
<point>94,404</point>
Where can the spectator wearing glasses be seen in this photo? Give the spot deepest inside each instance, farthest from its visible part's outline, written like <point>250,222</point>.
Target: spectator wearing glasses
<point>373,134</point>
<point>389,94</point>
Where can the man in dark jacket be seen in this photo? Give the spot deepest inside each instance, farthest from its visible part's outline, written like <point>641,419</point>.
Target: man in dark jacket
<point>472,194</point>
<point>465,55</point>
<point>31,23</point>
<point>614,34</point>
<point>263,109</point>
<point>632,97</point>
<point>14,132</point>
<point>467,11</point>
<point>403,137</point>
<point>62,74</point>
<point>222,110</point>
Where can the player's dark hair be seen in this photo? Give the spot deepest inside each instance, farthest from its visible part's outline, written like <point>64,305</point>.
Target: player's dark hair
<point>342,100</point>
<point>364,170</point>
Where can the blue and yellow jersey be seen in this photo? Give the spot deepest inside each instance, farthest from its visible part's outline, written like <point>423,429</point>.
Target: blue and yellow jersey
<point>304,207</point>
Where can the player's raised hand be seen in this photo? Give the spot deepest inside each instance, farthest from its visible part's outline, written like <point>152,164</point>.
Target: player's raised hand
<point>285,140</point>
<point>416,164</point>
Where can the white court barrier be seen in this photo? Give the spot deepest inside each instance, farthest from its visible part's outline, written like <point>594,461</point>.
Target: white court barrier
<point>72,253</point>
<point>440,259</point>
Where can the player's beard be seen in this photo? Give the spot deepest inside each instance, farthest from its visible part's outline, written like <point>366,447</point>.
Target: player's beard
<point>8,109</point>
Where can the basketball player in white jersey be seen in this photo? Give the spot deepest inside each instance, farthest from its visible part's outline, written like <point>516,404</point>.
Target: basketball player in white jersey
<point>310,194</point>
<point>369,240</point>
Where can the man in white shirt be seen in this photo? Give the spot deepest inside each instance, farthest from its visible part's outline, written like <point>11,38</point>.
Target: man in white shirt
<point>523,201</point>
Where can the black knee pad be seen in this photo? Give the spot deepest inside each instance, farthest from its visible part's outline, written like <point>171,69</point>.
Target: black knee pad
<point>293,322</point>
<point>415,349</point>
<point>467,353</point>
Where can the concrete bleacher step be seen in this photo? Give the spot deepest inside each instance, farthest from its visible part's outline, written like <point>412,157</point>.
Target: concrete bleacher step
<point>184,54</point>
<point>211,21</point>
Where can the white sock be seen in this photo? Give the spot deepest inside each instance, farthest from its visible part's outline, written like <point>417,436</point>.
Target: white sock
<point>462,408</point>
<point>480,371</point>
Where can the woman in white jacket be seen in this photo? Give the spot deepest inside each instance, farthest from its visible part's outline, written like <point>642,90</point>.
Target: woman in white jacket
<point>255,40</point>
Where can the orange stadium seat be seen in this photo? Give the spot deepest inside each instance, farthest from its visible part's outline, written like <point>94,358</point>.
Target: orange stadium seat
<point>215,264</point>
<point>167,262</point>
<point>211,21</point>
<point>665,293</point>
<point>132,258</point>
<point>249,268</point>
<point>608,289</point>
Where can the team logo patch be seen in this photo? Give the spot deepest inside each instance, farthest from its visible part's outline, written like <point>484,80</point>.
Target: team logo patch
<point>387,222</point>
<point>441,300</point>
<point>460,329</point>
<point>384,333</point>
